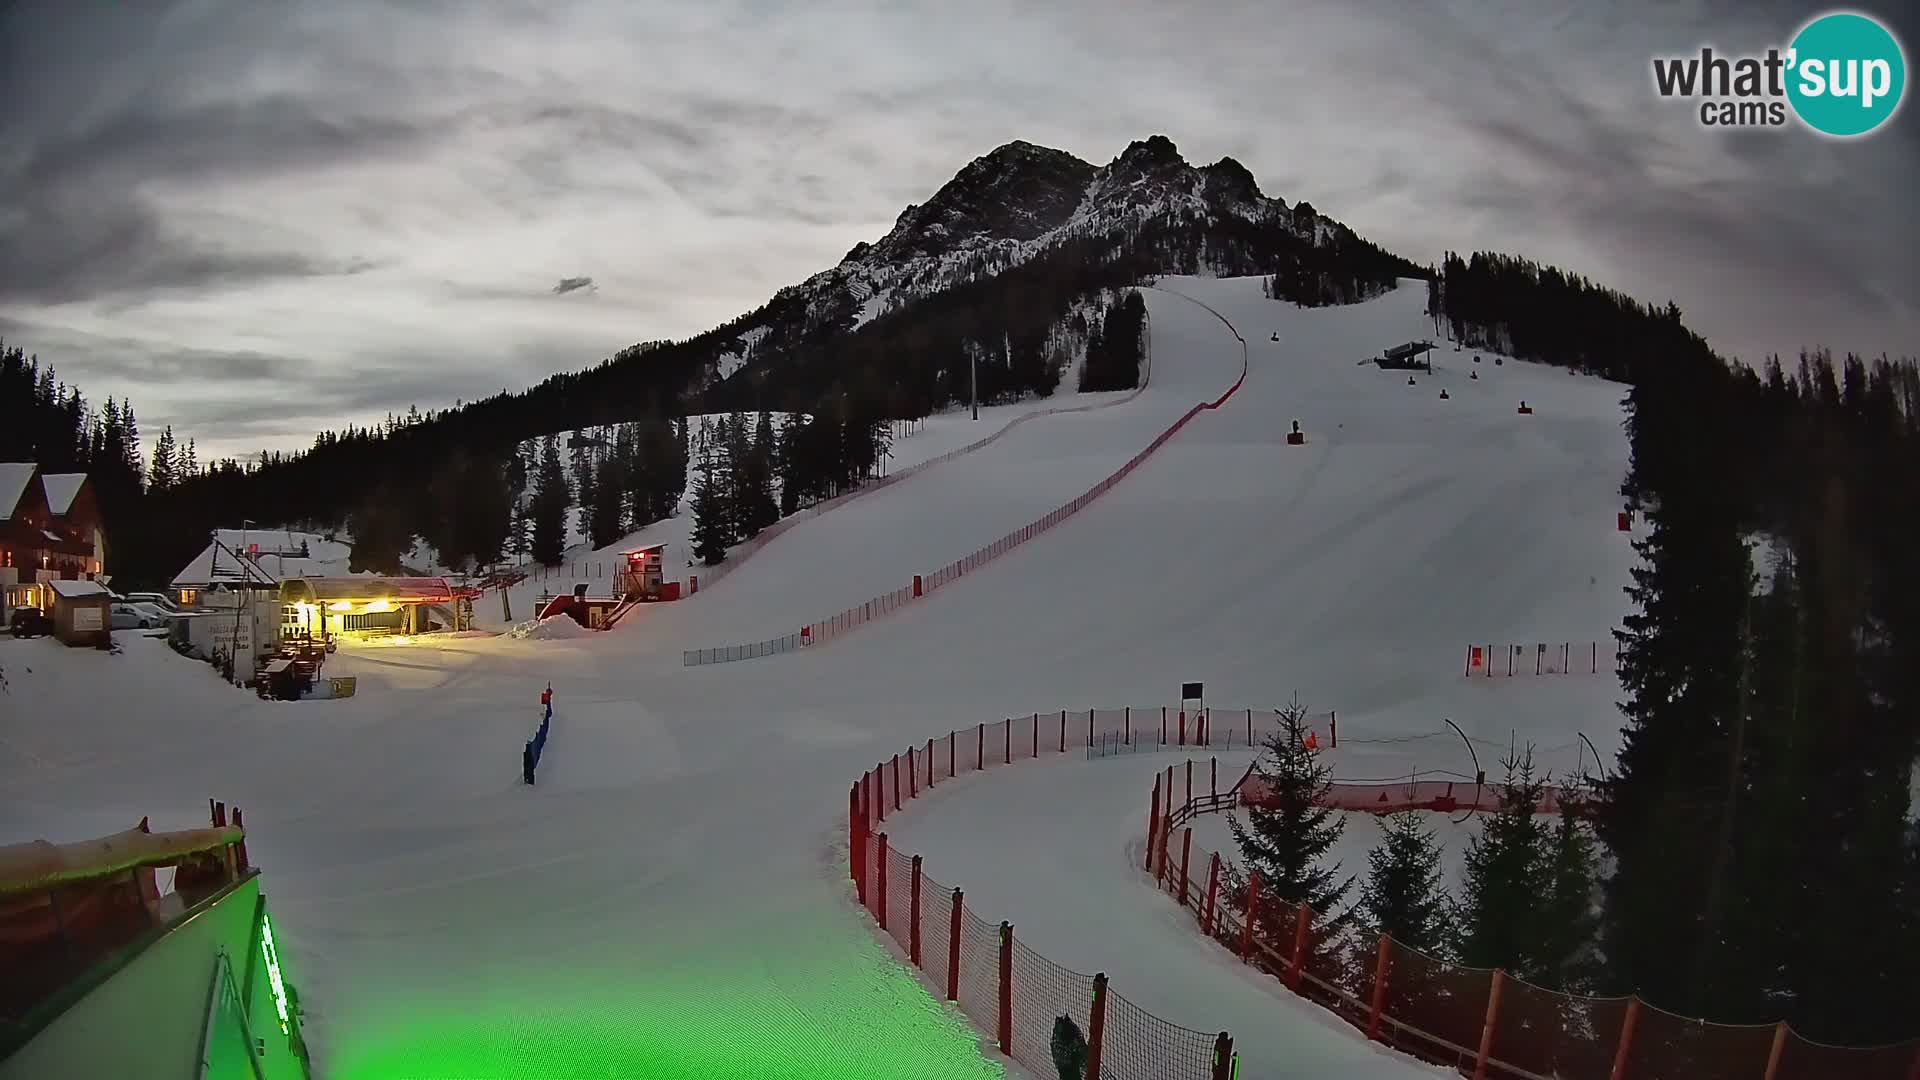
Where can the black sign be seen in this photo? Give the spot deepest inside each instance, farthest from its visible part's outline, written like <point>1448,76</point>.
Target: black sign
<point>1189,691</point>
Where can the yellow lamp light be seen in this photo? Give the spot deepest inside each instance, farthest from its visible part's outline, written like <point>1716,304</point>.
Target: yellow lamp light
<point>380,605</point>
<point>340,605</point>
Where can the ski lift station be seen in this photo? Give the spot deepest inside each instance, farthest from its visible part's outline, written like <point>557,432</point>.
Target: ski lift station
<point>1407,357</point>
<point>363,606</point>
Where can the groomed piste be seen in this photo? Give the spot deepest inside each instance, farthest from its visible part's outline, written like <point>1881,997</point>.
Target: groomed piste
<point>671,899</point>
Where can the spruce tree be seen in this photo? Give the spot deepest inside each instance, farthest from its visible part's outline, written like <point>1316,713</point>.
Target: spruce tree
<point>551,499</point>
<point>1403,895</point>
<point>1567,914</point>
<point>1285,837</point>
<point>1506,877</point>
<point>710,535</point>
<point>162,473</point>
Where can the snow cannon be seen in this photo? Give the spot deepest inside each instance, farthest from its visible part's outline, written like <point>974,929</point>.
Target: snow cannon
<point>1410,380</point>
<point>1443,394</point>
<point>1497,361</point>
<point>1296,437</point>
<point>1275,337</point>
<point>1526,409</point>
<point>1474,375</point>
<point>1476,358</point>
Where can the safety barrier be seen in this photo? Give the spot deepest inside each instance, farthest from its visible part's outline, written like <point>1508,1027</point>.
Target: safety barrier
<point>1543,658</point>
<point>1010,992</point>
<point>923,584</point>
<point>1482,1022</point>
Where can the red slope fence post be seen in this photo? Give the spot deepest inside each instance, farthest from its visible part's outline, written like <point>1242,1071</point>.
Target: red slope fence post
<point>1302,918</point>
<point>913,775</point>
<point>1186,855</point>
<point>856,844</point>
<point>930,768</point>
<point>1127,726</point>
<point>1036,735</point>
<point>1009,733</point>
<point>953,946</point>
<point>913,917</point>
<point>880,873</point>
<point>1333,729</point>
<point>980,752</point>
<point>952,762</point>
<point>1153,823</point>
<point>1097,1025</point>
<point>880,791</point>
<point>1063,729</point>
<point>896,781</point>
<point>1777,1051</point>
<point>1189,802</point>
<point>1379,989</point>
<point>1253,916</point>
<point>1213,894</point>
<point>1627,1024</point>
<point>1006,988</point>
<point>1163,725</point>
<point>1486,1029</point>
<point>1213,778</point>
<point>1182,726</point>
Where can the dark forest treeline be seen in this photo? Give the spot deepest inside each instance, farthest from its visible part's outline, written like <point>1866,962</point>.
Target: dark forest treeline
<point>1764,865</point>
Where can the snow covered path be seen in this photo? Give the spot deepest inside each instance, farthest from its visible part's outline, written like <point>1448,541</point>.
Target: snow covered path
<point>876,543</point>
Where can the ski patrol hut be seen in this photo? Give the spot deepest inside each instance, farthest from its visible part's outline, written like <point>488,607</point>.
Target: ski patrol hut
<point>1407,357</point>
<point>318,608</point>
<point>644,575</point>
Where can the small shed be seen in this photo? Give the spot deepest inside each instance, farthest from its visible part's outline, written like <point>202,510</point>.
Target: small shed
<point>82,611</point>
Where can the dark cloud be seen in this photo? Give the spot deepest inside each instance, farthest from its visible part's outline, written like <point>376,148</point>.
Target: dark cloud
<point>269,218</point>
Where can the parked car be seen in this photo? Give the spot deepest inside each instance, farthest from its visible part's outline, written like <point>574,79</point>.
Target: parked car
<point>31,622</point>
<point>159,600</point>
<point>137,617</point>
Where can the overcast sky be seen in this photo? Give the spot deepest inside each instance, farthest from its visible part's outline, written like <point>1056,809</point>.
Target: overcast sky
<point>261,219</point>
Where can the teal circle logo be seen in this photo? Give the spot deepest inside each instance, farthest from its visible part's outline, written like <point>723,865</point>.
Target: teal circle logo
<point>1846,74</point>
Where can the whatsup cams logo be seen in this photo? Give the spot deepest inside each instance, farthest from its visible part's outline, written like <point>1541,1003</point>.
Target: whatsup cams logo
<point>1843,74</point>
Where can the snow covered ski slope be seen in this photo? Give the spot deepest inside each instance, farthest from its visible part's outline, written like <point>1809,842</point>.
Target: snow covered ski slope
<point>668,900</point>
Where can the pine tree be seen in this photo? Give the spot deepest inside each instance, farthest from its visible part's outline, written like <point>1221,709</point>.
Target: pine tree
<point>710,535</point>
<point>163,473</point>
<point>1567,914</point>
<point>1506,877</point>
<point>551,499</point>
<point>1286,836</point>
<point>608,522</point>
<point>1403,895</point>
<point>189,465</point>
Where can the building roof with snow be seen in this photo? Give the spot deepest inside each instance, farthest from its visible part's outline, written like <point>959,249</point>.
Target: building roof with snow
<point>61,489</point>
<point>73,589</point>
<point>276,556</point>
<point>14,478</point>
<point>368,587</point>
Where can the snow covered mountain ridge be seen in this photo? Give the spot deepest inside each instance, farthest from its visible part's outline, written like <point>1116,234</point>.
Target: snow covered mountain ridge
<point>1019,200</point>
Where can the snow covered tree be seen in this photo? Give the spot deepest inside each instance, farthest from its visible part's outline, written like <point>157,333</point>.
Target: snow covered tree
<point>1507,876</point>
<point>1286,835</point>
<point>1403,895</point>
